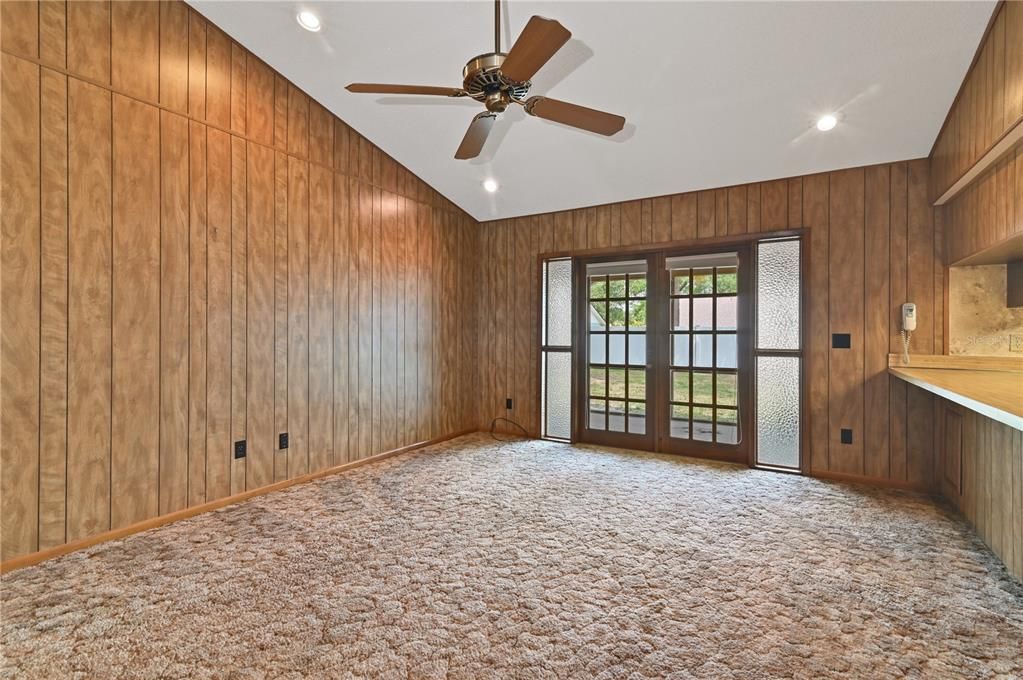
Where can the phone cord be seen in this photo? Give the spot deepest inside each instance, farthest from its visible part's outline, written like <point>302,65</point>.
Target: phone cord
<point>905,345</point>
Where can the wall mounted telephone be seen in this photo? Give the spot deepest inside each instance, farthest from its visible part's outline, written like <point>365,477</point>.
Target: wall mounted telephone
<point>908,326</point>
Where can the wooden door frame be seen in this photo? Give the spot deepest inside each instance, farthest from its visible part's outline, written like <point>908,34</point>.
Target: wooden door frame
<point>737,240</point>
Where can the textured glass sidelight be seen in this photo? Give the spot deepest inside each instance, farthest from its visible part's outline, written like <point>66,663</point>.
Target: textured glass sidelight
<point>778,411</point>
<point>559,302</point>
<point>558,394</point>
<point>778,295</point>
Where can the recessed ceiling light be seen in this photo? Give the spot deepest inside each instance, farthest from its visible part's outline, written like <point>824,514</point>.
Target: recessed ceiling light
<point>308,21</point>
<point>825,123</point>
<point>490,185</point>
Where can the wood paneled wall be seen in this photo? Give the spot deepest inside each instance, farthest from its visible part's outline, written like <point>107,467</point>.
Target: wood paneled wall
<point>989,103</point>
<point>873,244</point>
<point>982,474</point>
<point>195,253</point>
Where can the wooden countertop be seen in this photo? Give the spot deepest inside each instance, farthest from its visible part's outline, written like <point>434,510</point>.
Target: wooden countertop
<point>996,394</point>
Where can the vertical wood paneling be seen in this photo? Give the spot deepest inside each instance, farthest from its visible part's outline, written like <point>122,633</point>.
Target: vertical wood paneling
<point>280,310</point>
<point>20,19</point>
<point>876,292</point>
<point>53,376</point>
<point>135,416</point>
<point>178,288</point>
<point>52,33</point>
<point>341,255</point>
<point>239,308</point>
<point>20,313</point>
<point>174,312</point>
<point>816,199</point>
<point>774,209</point>
<point>684,217</point>
<point>260,436</point>
<point>218,315</point>
<point>218,77</point>
<point>845,312</point>
<point>298,317</point>
<point>706,205</point>
<point>88,39</point>
<point>135,48</point>
<point>89,309</point>
<point>321,318</point>
<point>174,66</point>
<point>197,313</point>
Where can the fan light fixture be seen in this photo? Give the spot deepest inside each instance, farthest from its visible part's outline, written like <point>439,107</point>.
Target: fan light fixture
<point>500,79</point>
<point>825,123</point>
<point>490,184</point>
<point>308,21</point>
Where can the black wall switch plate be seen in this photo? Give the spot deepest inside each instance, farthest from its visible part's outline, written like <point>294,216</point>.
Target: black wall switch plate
<point>841,340</point>
<point>282,440</point>
<point>239,449</point>
<point>846,436</point>
<point>508,403</point>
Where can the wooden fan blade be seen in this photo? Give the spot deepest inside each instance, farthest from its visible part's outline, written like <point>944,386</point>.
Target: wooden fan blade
<point>380,88</point>
<point>572,114</point>
<point>476,136</point>
<point>537,43</point>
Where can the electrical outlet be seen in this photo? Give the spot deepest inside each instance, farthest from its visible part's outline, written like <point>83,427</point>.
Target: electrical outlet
<point>239,449</point>
<point>846,436</point>
<point>508,403</point>
<point>282,440</point>
<point>1016,343</point>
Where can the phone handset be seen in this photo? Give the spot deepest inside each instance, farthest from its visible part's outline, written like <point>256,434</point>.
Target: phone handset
<point>908,326</point>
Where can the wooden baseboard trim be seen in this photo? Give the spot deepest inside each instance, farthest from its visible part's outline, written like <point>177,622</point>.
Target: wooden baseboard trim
<point>873,482</point>
<point>114,534</point>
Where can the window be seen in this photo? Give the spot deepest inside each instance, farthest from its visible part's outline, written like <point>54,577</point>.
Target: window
<point>778,353</point>
<point>556,350</point>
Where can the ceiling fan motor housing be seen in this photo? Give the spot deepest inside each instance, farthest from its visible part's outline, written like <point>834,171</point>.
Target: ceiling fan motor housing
<point>483,80</point>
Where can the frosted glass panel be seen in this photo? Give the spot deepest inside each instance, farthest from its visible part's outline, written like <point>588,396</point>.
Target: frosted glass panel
<point>778,411</point>
<point>559,302</point>
<point>558,394</point>
<point>778,295</point>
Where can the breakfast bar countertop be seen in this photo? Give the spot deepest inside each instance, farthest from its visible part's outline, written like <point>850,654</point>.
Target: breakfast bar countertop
<point>997,394</point>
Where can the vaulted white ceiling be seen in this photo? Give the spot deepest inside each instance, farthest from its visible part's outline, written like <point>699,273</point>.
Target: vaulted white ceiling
<point>715,93</point>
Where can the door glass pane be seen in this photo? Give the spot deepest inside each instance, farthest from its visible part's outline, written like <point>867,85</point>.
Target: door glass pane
<point>703,314</point>
<point>727,426</point>
<point>778,411</point>
<point>680,350</point>
<point>637,417</point>
<point>616,286</point>
<point>558,394</point>
<point>598,381</point>
<point>616,416</point>
<point>778,295</point>
<point>680,386</point>
<point>598,287</point>
<point>679,314</point>
<point>598,316</point>
<point>598,419</point>
<point>598,350</point>
<point>616,382</point>
<point>680,282</point>
<point>679,421</point>
<point>726,395</point>
<point>637,349</point>
<point>727,313</point>
<point>727,351</point>
<point>703,424</point>
<point>703,350</point>
<point>559,303</point>
<point>616,315</point>
<point>727,281</point>
<point>637,383</point>
<point>703,388</point>
<point>637,315</point>
<point>637,285</point>
<point>617,342</point>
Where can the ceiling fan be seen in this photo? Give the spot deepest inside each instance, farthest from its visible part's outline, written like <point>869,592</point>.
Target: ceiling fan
<point>498,79</point>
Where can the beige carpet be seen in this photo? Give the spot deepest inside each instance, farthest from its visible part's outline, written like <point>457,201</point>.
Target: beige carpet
<point>477,559</point>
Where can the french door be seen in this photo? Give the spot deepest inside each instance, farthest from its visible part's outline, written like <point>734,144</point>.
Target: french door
<point>663,352</point>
